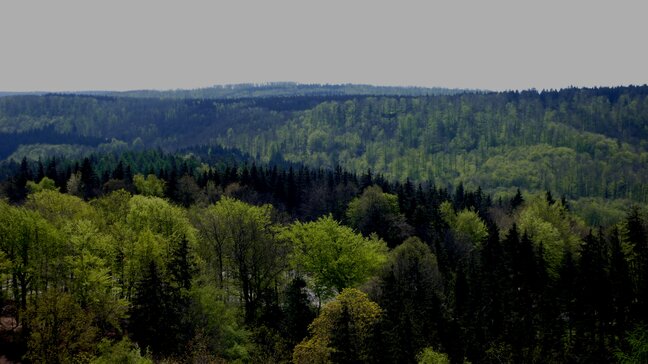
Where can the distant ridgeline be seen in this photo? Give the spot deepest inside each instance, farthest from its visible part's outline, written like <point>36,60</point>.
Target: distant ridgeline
<point>271,89</point>
<point>582,143</point>
<point>289,89</point>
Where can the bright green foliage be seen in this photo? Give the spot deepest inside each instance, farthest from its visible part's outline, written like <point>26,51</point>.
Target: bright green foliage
<point>553,227</point>
<point>246,238</point>
<point>467,227</point>
<point>312,351</point>
<point>343,332</point>
<point>91,282</point>
<point>100,253</point>
<point>333,256</point>
<point>430,356</point>
<point>87,266</point>
<point>156,229</point>
<point>217,326</point>
<point>127,256</point>
<point>122,352</point>
<point>211,241</point>
<point>113,208</point>
<point>73,257</point>
<point>149,185</point>
<point>44,184</point>
<point>448,213</point>
<point>470,227</point>
<point>30,247</point>
<point>59,208</point>
<point>159,216</point>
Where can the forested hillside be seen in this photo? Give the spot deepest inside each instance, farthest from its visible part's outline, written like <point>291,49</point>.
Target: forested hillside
<point>209,257</point>
<point>576,142</point>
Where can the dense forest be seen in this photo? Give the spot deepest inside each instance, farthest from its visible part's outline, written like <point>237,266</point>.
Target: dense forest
<point>325,224</point>
<point>589,144</point>
<point>147,256</point>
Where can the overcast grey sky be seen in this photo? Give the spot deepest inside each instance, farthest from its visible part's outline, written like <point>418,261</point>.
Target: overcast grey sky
<point>117,45</point>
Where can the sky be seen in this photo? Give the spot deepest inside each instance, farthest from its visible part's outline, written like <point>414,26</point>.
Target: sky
<point>69,45</point>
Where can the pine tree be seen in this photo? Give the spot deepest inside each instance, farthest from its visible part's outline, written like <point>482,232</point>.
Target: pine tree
<point>409,287</point>
<point>17,189</point>
<point>549,198</point>
<point>620,284</point>
<point>89,180</point>
<point>118,172</point>
<point>180,265</point>
<point>40,171</point>
<point>297,311</point>
<point>636,237</point>
<point>593,297</point>
<point>156,314</point>
<point>516,201</point>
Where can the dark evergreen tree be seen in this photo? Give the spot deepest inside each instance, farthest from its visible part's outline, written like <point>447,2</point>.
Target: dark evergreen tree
<point>180,265</point>
<point>593,300</point>
<point>409,292</point>
<point>366,180</point>
<point>89,180</point>
<point>118,172</point>
<point>172,183</point>
<point>40,171</point>
<point>621,287</point>
<point>52,172</point>
<point>297,311</point>
<point>638,240</point>
<point>516,201</point>
<point>157,315</point>
<point>128,175</point>
<point>17,189</point>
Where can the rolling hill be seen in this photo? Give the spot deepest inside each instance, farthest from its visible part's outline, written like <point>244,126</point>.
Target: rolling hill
<point>576,142</point>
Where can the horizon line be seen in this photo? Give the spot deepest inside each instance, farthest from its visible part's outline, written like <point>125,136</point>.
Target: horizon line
<point>279,83</point>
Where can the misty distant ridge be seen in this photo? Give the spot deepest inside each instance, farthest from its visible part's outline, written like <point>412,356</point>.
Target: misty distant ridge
<point>286,89</point>
<point>270,89</point>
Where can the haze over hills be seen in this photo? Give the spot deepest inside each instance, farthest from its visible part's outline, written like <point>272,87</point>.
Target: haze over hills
<point>272,89</point>
<point>288,89</point>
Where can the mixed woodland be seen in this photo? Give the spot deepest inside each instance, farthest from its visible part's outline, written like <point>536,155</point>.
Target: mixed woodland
<point>473,227</point>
